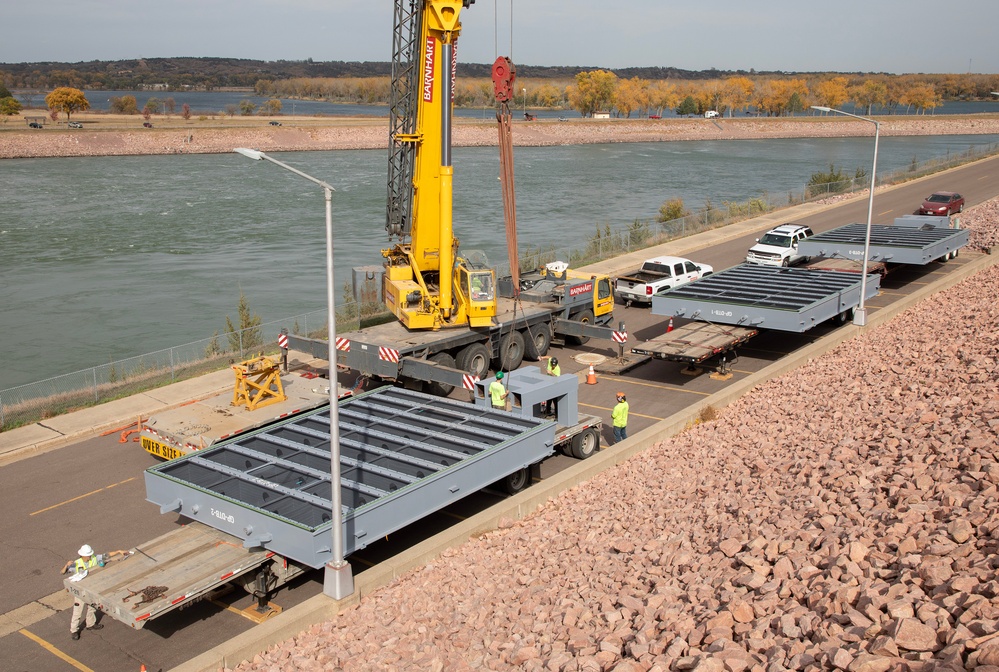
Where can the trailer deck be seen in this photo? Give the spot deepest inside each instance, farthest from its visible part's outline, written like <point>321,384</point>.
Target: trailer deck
<point>907,244</point>
<point>172,570</point>
<point>403,455</point>
<point>695,342</point>
<point>786,299</point>
<point>178,431</point>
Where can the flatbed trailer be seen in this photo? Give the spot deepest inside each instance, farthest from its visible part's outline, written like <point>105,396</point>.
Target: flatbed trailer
<point>787,299</point>
<point>911,241</point>
<point>199,425</point>
<point>845,265</point>
<point>697,343</point>
<point>176,570</point>
<point>261,502</point>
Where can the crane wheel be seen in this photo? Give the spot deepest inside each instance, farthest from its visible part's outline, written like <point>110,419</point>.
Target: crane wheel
<point>537,341</point>
<point>511,351</point>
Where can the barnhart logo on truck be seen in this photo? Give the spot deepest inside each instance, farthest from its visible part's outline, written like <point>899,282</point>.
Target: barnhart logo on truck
<point>576,290</point>
<point>428,70</point>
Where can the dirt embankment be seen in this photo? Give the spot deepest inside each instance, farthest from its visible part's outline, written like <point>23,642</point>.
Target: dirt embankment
<point>801,530</point>
<point>178,137</point>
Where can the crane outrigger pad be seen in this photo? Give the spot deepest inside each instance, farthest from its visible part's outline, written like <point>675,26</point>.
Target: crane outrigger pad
<point>787,299</point>
<point>913,245</point>
<point>403,455</point>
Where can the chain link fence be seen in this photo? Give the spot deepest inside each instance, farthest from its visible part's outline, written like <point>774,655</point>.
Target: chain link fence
<point>121,378</point>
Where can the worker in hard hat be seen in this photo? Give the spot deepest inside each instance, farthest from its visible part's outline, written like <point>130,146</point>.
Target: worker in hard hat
<point>83,612</point>
<point>553,369</point>
<point>497,393</point>
<point>619,418</point>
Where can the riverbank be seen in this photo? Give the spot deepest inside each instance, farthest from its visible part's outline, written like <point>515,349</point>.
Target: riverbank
<point>106,135</point>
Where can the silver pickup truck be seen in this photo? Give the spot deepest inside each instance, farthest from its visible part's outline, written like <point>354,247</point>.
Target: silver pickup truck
<point>656,275</point>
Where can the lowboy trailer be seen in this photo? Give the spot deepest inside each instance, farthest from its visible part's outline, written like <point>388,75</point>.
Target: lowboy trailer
<point>261,501</point>
<point>786,299</point>
<point>912,240</point>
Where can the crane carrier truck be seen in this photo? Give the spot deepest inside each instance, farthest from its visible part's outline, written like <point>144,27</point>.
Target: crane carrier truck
<point>452,322</point>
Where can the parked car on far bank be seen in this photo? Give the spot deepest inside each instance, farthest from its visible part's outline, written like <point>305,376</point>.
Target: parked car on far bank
<point>75,124</point>
<point>942,203</point>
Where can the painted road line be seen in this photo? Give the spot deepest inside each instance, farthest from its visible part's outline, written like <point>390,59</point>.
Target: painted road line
<point>54,651</point>
<point>630,413</point>
<point>659,386</point>
<point>93,492</point>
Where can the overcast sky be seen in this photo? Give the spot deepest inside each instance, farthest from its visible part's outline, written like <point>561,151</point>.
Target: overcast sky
<point>896,36</point>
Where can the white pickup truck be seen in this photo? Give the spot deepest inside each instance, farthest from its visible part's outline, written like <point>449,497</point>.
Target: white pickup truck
<point>656,275</point>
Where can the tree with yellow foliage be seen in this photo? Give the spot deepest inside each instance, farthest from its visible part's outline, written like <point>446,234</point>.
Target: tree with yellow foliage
<point>592,91</point>
<point>67,99</point>
<point>736,92</point>
<point>777,97</point>
<point>632,95</point>
<point>869,93</point>
<point>832,92</point>
<point>663,96</point>
<point>920,95</point>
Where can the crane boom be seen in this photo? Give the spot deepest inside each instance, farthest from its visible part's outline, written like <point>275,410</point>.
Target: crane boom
<point>427,285</point>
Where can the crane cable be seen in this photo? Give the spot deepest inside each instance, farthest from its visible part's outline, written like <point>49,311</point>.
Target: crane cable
<point>496,29</point>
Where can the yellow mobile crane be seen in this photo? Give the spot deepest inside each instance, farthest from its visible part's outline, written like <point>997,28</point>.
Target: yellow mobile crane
<point>427,285</point>
<point>456,319</point>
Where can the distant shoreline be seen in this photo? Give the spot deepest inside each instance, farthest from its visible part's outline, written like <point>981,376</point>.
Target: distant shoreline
<point>114,135</point>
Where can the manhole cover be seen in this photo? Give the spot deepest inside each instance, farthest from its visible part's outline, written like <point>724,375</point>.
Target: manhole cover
<point>589,359</point>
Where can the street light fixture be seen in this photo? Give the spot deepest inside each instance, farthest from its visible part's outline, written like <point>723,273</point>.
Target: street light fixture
<point>338,582</point>
<point>860,314</point>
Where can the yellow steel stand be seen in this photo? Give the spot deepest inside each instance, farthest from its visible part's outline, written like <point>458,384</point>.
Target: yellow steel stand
<point>258,383</point>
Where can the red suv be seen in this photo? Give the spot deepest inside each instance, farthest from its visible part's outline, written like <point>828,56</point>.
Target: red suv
<point>942,203</point>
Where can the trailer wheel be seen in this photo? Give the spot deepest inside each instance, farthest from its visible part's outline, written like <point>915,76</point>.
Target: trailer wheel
<point>585,317</point>
<point>844,317</point>
<point>441,389</point>
<point>585,444</point>
<point>474,359</point>
<point>537,341</point>
<point>511,351</point>
<point>517,481</point>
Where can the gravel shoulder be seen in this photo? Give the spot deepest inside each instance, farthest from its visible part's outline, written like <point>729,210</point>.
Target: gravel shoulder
<point>100,137</point>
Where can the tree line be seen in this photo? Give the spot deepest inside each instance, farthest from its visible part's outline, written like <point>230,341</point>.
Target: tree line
<point>594,91</point>
<point>601,90</point>
<point>589,92</point>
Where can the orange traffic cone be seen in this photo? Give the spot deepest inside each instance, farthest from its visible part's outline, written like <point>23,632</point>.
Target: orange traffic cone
<point>142,668</point>
<point>669,327</point>
<point>591,377</point>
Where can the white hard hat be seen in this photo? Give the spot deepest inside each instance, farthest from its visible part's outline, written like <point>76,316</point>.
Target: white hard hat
<point>85,550</point>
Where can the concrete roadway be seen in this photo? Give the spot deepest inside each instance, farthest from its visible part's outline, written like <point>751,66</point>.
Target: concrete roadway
<point>92,491</point>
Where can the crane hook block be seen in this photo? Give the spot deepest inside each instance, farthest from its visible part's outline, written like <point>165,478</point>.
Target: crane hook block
<point>504,75</point>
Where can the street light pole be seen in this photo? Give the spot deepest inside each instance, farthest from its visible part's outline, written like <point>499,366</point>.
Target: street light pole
<point>525,102</point>
<point>860,314</point>
<point>338,582</point>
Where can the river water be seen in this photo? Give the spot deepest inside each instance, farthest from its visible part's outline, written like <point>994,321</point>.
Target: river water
<point>111,257</point>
